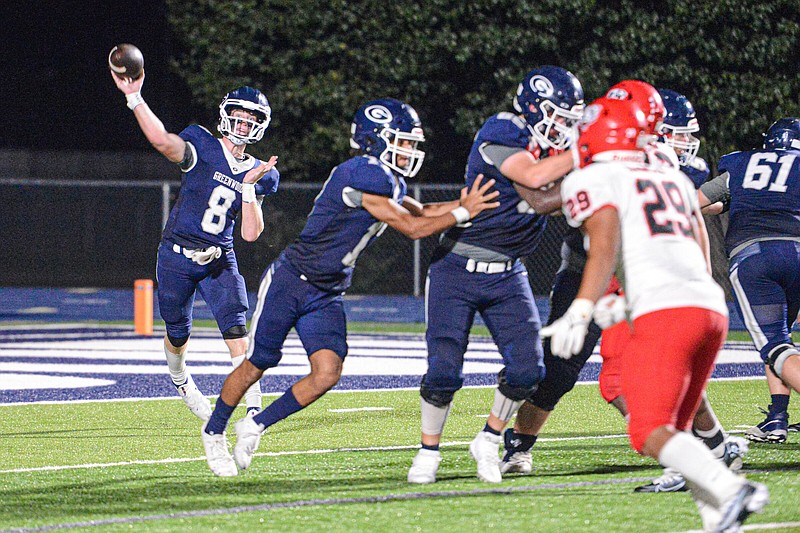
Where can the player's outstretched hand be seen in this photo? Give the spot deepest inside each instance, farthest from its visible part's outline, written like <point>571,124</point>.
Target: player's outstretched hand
<point>258,172</point>
<point>478,198</point>
<point>127,85</point>
<point>568,333</point>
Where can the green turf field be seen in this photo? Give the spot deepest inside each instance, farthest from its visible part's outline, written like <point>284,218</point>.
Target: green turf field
<point>326,470</point>
<point>419,328</point>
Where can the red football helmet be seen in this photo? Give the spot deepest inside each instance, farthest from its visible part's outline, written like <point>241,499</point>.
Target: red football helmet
<point>645,96</point>
<point>613,125</point>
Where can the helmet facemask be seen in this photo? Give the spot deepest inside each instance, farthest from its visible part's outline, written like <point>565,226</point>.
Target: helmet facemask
<point>229,124</point>
<point>558,127</point>
<point>393,138</point>
<point>681,139</point>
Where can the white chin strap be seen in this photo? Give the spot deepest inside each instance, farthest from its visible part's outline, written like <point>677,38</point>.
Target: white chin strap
<point>235,140</point>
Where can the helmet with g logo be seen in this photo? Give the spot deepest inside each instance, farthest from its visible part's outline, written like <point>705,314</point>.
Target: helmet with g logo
<point>389,130</point>
<point>551,100</point>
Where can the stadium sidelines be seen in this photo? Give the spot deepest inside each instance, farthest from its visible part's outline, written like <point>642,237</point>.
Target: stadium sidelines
<point>75,362</point>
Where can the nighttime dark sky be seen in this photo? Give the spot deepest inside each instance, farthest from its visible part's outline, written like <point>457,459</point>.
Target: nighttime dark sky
<point>58,93</point>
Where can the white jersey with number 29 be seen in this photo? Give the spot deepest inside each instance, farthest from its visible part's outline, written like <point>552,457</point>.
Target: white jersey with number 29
<point>663,265</point>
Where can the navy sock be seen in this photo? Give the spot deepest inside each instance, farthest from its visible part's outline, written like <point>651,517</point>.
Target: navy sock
<point>488,429</point>
<point>522,442</point>
<point>780,403</point>
<point>219,418</point>
<point>432,447</point>
<point>281,408</point>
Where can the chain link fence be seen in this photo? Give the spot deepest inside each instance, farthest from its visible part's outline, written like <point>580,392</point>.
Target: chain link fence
<point>106,233</point>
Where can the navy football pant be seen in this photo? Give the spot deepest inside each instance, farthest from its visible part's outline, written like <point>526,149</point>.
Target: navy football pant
<point>219,283</point>
<point>286,301</point>
<point>766,283</point>
<point>506,304</point>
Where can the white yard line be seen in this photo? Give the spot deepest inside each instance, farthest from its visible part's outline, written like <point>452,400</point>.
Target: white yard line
<point>277,454</point>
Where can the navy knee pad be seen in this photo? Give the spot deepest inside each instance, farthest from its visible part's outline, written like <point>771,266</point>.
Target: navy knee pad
<point>234,332</point>
<point>177,341</point>
<point>516,393</point>
<point>778,356</point>
<point>437,398</point>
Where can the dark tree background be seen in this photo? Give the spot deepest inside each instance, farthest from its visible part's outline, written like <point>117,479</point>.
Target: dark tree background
<point>458,62</point>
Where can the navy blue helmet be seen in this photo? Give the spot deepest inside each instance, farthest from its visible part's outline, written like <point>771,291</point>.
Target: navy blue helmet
<point>387,129</point>
<point>551,100</point>
<point>680,122</point>
<point>252,101</point>
<point>784,134</point>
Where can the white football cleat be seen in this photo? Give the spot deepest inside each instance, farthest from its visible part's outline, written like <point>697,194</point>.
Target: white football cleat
<point>750,498</point>
<point>424,467</point>
<point>217,455</point>
<point>518,463</point>
<point>670,481</point>
<point>485,448</point>
<point>194,399</point>
<point>248,435</point>
<point>709,515</point>
<point>735,448</point>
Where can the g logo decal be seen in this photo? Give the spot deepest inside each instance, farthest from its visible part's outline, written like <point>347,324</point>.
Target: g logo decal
<point>540,84</point>
<point>379,114</point>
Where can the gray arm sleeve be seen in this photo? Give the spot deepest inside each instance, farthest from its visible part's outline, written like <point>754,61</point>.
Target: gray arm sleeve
<point>496,154</point>
<point>716,190</point>
<point>352,197</point>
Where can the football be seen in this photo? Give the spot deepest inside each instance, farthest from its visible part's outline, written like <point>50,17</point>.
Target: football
<point>126,61</point>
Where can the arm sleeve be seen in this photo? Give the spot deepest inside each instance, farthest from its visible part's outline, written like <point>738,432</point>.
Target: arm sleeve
<point>496,154</point>
<point>189,158</point>
<point>716,190</point>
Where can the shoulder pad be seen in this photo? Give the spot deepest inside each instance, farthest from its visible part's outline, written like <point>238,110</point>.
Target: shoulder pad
<point>200,137</point>
<point>269,183</point>
<point>726,160</point>
<point>368,174</point>
<point>506,129</point>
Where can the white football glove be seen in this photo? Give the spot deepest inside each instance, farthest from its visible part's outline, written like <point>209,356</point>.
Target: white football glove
<point>610,310</point>
<point>568,333</point>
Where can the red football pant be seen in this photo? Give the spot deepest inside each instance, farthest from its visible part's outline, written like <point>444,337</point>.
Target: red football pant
<point>612,345</point>
<point>666,365</point>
